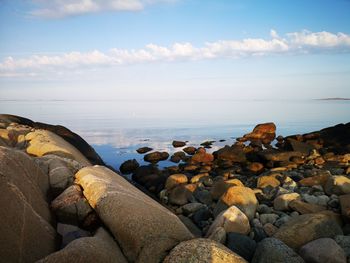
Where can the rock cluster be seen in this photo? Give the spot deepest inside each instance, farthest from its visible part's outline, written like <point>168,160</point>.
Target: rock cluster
<point>248,202</point>
<point>277,199</point>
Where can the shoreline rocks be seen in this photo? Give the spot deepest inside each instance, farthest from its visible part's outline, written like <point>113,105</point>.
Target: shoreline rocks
<point>253,201</point>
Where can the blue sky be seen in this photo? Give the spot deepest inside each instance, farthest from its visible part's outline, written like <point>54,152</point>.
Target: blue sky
<point>160,49</point>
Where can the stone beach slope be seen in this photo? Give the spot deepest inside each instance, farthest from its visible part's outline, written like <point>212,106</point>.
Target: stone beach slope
<point>249,202</point>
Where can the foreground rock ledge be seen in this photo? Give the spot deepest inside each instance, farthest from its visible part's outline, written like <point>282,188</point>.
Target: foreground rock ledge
<point>144,229</point>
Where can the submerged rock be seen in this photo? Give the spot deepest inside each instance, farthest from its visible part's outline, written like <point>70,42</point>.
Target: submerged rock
<point>143,150</point>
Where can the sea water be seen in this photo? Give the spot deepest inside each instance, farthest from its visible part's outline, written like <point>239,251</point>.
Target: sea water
<point>116,128</point>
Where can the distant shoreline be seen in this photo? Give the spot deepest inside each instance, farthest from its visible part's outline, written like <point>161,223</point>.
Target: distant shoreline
<point>334,99</point>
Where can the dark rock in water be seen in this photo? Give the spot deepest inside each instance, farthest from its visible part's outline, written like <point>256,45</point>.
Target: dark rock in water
<point>155,157</point>
<point>175,159</point>
<point>190,150</point>
<point>241,244</point>
<point>274,250</point>
<point>71,137</point>
<point>129,166</point>
<point>144,150</point>
<point>231,153</point>
<point>178,144</point>
<point>207,144</point>
<point>222,140</point>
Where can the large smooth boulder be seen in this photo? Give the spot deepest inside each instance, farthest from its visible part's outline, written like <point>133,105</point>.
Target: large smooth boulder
<point>69,136</point>
<point>202,250</point>
<point>274,250</point>
<point>304,228</point>
<point>26,232</point>
<point>323,250</point>
<point>242,197</point>
<point>43,142</point>
<point>232,220</point>
<point>143,228</point>
<point>338,185</point>
<point>101,248</point>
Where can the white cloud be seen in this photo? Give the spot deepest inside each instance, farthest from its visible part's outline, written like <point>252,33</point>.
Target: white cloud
<point>63,8</point>
<point>297,42</point>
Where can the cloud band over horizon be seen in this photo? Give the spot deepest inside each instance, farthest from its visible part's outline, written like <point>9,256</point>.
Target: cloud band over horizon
<point>303,42</point>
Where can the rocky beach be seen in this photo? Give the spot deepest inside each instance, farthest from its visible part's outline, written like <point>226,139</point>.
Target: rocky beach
<point>265,198</point>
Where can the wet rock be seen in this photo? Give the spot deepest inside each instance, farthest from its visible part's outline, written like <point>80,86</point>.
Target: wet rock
<point>129,166</point>
<point>322,250</point>
<point>232,220</point>
<point>241,245</point>
<point>302,229</point>
<point>155,157</point>
<point>177,144</point>
<point>202,250</point>
<point>231,153</point>
<point>201,156</point>
<point>274,250</point>
<point>143,150</point>
<point>190,150</point>
<point>338,185</point>
<point>242,197</point>
<point>174,180</point>
<point>281,202</point>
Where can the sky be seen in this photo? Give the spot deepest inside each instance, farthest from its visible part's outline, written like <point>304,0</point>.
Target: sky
<point>174,49</point>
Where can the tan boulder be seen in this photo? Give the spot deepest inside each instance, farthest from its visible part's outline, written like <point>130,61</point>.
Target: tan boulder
<point>220,187</point>
<point>304,228</point>
<point>315,180</point>
<point>266,132</point>
<point>43,142</point>
<point>174,180</point>
<point>201,156</point>
<point>242,197</point>
<point>202,250</point>
<point>26,232</point>
<point>268,180</point>
<point>143,228</point>
<point>338,185</point>
<point>232,220</point>
<point>281,202</point>
<point>101,248</point>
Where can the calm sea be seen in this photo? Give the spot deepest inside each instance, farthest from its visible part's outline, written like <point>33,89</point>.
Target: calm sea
<point>117,128</point>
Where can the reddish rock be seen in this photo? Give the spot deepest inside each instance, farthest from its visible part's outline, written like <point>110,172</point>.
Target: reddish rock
<point>202,156</point>
<point>265,132</point>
